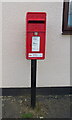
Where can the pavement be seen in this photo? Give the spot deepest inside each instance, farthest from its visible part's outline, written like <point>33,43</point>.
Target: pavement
<point>52,106</point>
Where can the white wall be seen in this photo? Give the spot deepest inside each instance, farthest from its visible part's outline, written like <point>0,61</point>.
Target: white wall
<point>0,45</point>
<point>55,69</point>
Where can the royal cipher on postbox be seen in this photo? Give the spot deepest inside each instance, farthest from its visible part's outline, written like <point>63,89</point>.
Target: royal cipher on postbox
<point>35,35</point>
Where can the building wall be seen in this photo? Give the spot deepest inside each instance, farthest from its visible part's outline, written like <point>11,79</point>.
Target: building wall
<point>0,44</point>
<point>55,69</point>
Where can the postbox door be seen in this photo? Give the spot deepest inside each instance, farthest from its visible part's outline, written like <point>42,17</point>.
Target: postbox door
<point>35,46</point>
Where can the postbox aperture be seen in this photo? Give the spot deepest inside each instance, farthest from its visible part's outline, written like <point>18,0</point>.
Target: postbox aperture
<point>35,35</point>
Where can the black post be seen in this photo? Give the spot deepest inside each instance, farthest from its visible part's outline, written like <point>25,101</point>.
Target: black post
<point>33,83</point>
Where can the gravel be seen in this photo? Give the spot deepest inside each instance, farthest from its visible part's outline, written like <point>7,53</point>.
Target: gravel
<point>46,106</point>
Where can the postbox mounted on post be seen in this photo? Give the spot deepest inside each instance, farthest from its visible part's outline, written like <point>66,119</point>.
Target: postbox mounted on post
<point>35,35</point>
<point>35,45</point>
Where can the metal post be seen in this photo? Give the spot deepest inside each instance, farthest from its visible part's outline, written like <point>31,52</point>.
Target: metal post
<point>33,83</point>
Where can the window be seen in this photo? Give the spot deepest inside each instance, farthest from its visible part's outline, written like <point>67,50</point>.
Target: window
<point>67,18</point>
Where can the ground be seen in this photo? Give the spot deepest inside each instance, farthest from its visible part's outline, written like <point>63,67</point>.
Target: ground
<point>52,106</point>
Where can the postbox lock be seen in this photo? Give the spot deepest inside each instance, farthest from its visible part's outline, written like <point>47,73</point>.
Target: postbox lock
<point>35,33</point>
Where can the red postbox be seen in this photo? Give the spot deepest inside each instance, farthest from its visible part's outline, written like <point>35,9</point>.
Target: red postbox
<point>35,35</point>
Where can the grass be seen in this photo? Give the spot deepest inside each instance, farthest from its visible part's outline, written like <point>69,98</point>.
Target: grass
<point>27,115</point>
<point>31,113</point>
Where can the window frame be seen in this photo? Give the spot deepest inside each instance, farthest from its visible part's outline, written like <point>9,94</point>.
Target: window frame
<point>66,30</point>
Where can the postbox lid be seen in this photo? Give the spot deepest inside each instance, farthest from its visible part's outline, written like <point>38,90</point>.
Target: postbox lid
<point>36,21</point>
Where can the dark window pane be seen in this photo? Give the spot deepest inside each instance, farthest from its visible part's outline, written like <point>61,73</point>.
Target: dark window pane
<point>70,14</point>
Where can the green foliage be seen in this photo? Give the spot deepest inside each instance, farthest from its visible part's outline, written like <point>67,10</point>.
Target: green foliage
<point>32,113</point>
<point>27,115</point>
